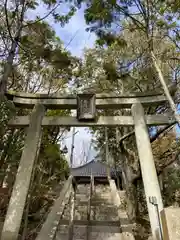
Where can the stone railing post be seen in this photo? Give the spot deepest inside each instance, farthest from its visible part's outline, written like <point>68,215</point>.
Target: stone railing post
<point>50,225</point>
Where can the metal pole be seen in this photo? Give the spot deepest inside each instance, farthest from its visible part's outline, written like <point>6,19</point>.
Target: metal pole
<point>88,153</point>
<point>153,201</point>
<point>72,147</point>
<point>115,164</point>
<point>107,152</point>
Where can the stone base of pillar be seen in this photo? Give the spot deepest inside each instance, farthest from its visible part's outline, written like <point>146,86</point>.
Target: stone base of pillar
<point>170,218</point>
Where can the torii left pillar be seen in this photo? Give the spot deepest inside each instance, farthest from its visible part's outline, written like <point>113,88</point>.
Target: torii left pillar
<point>148,170</point>
<point>21,186</point>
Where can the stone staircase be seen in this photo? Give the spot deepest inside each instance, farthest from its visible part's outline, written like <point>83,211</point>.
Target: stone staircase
<point>95,216</point>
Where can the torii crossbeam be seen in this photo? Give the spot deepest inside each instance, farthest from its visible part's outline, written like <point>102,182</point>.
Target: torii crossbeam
<point>41,102</point>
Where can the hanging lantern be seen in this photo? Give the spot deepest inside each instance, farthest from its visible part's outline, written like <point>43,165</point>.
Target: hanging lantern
<point>86,107</point>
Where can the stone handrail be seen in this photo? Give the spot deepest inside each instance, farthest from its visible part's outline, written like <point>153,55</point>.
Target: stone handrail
<point>49,227</point>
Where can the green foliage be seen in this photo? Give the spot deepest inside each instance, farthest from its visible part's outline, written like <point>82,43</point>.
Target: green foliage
<point>109,18</point>
<point>99,11</point>
<point>171,184</point>
<point>126,32</point>
<point>63,19</point>
<point>33,59</point>
<point>53,157</point>
<point>32,5</point>
<point>7,111</point>
<point>34,46</point>
<point>58,112</point>
<point>45,45</point>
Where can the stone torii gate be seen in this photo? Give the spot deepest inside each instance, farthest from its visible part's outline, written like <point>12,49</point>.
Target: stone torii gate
<point>40,102</point>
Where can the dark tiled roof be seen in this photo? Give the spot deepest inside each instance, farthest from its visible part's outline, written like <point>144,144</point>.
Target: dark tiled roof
<point>96,168</point>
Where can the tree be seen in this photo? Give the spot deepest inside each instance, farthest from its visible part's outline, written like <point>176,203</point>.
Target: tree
<point>45,65</point>
<point>151,19</point>
<point>38,62</point>
<point>15,21</point>
<point>122,63</point>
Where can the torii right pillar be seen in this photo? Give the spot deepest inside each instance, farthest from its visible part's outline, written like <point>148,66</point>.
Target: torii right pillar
<point>148,170</point>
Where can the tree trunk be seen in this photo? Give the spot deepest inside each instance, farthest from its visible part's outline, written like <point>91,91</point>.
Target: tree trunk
<point>131,198</point>
<point>6,147</point>
<point>8,67</point>
<point>130,187</point>
<point>165,87</point>
<point>131,201</point>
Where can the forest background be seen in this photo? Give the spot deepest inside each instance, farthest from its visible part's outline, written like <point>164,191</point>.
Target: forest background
<point>53,46</point>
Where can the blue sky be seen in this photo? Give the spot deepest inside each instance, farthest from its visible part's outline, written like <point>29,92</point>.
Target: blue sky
<point>74,34</point>
<point>75,38</point>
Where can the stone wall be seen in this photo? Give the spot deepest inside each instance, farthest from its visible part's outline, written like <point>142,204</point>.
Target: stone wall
<point>170,218</point>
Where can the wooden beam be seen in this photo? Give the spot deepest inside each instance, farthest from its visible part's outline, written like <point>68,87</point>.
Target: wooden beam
<point>151,120</point>
<point>21,186</point>
<point>49,227</point>
<point>108,102</point>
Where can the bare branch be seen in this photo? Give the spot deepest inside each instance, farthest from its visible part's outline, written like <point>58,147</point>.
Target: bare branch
<point>7,20</point>
<point>153,138</point>
<point>161,168</point>
<point>41,19</point>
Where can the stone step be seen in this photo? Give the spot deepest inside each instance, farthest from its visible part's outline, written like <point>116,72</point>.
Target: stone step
<point>81,233</point>
<point>80,196</point>
<point>98,203</point>
<point>102,212</point>
<point>106,212</point>
<point>96,223</point>
<point>103,195</point>
<point>83,191</point>
<point>98,200</point>
<point>104,223</point>
<point>95,232</point>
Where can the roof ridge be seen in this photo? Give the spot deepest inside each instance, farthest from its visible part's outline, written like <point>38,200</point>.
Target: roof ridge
<point>83,165</point>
